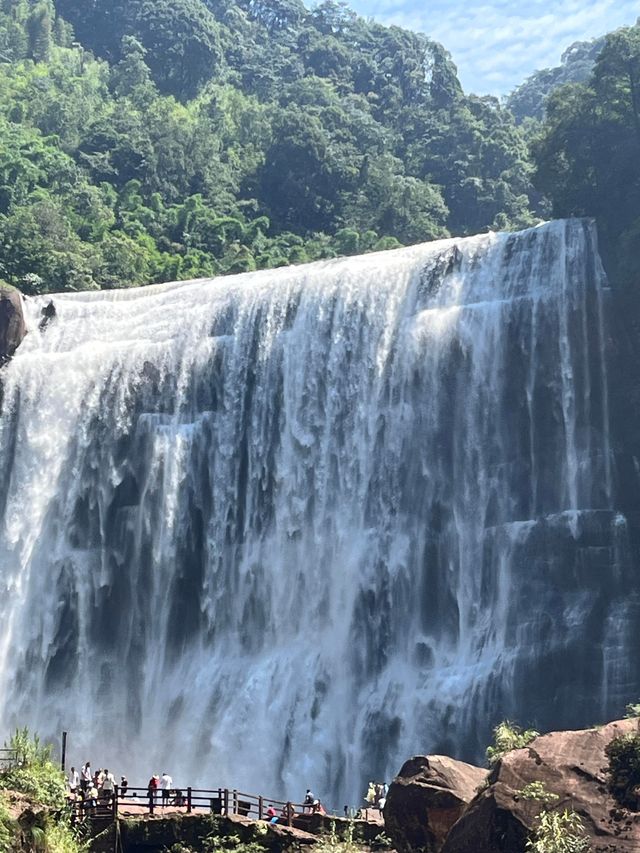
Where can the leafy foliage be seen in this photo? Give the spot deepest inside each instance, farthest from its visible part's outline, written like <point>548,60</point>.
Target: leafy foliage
<point>37,779</point>
<point>538,792</point>
<point>507,736</point>
<point>632,710</point>
<point>34,775</point>
<point>332,843</point>
<point>8,827</point>
<point>528,100</point>
<point>198,137</point>
<point>588,151</point>
<point>558,832</point>
<point>623,754</point>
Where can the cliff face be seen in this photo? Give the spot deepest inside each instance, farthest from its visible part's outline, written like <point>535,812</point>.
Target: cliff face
<point>395,468</point>
<point>624,388</point>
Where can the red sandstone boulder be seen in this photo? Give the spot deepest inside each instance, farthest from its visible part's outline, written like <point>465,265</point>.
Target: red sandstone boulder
<point>569,764</point>
<point>12,324</point>
<point>427,797</point>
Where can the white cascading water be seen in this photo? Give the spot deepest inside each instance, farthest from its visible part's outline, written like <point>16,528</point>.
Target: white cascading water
<point>286,529</point>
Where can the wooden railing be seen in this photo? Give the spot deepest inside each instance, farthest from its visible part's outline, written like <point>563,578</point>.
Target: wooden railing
<point>221,801</point>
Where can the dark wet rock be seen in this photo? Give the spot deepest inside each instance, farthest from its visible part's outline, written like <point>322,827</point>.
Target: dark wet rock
<point>426,798</point>
<point>48,313</point>
<point>12,323</point>
<point>571,765</point>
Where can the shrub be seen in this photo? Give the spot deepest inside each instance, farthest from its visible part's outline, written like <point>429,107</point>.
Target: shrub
<point>332,843</point>
<point>558,832</point>
<point>633,710</point>
<point>8,827</point>
<point>35,775</point>
<point>507,736</point>
<point>624,768</point>
<point>538,792</point>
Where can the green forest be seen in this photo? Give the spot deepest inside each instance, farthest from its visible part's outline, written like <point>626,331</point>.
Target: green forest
<point>156,140</point>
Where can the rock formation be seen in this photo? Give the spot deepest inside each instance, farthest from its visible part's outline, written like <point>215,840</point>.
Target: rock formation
<point>12,323</point>
<point>426,798</point>
<point>571,765</point>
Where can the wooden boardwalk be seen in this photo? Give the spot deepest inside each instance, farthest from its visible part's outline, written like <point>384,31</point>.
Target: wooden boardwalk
<point>220,801</point>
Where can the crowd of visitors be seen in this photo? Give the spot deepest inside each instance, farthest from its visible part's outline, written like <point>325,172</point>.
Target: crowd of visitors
<point>376,795</point>
<point>92,789</point>
<point>89,790</point>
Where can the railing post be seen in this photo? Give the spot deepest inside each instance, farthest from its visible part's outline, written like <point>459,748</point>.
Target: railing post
<point>260,808</point>
<point>189,800</point>
<point>289,812</point>
<point>235,801</point>
<point>115,802</point>
<point>152,798</point>
<point>226,801</point>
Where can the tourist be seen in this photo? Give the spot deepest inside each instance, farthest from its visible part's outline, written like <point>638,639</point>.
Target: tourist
<point>91,798</point>
<point>74,782</point>
<point>308,800</point>
<point>318,808</point>
<point>124,786</point>
<point>371,794</point>
<point>152,788</point>
<point>108,785</point>
<point>85,776</point>
<point>165,786</point>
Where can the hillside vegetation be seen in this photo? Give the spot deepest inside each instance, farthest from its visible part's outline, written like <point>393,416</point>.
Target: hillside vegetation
<point>151,140</point>
<point>146,140</point>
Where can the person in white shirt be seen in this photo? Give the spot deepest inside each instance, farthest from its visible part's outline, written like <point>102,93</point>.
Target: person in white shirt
<point>165,786</point>
<point>86,776</point>
<point>108,785</point>
<point>74,781</point>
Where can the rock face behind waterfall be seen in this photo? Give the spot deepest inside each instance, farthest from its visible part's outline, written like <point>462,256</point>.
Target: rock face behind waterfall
<point>286,526</point>
<point>12,323</point>
<point>426,798</point>
<point>570,764</point>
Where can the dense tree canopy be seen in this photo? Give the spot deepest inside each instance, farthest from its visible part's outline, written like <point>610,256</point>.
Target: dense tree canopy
<point>529,99</point>
<point>145,140</point>
<point>588,152</point>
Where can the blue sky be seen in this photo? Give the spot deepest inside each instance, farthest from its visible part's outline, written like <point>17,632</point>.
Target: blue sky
<point>497,43</point>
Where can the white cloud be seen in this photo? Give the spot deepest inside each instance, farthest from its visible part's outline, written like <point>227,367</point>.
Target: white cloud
<point>497,43</point>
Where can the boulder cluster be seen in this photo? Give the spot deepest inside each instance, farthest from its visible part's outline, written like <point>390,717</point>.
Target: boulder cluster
<point>440,805</point>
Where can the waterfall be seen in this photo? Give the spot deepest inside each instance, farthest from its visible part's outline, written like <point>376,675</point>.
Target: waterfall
<point>286,529</point>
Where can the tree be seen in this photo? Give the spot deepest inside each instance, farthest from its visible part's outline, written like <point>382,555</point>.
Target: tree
<point>40,29</point>
<point>389,202</point>
<point>587,152</point>
<point>131,76</point>
<point>182,40</point>
<point>623,770</point>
